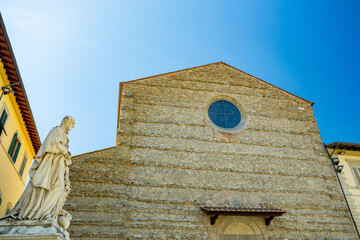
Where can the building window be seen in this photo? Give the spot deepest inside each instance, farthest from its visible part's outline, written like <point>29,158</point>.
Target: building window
<point>23,164</point>
<point>224,114</point>
<point>14,148</point>
<point>3,119</point>
<point>356,172</point>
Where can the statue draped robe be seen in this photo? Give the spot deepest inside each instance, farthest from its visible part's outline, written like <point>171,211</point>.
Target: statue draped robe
<point>46,192</point>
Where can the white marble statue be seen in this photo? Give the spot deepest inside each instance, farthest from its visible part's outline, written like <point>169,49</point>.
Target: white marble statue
<point>49,185</point>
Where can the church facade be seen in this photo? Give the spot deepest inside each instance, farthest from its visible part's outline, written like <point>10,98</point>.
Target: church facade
<point>209,152</point>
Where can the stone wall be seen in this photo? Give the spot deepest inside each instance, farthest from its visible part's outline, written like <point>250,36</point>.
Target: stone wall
<point>169,161</point>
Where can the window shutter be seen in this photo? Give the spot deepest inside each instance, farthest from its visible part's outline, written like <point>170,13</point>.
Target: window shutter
<point>2,122</point>
<point>16,151</point>
<point>12,145</point>
<point>23,166</point>
<point>3,117</point>
<point>356,171</point>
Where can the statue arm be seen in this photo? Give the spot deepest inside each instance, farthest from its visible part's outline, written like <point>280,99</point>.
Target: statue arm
<point>62,147</point>
<point>60,140</point>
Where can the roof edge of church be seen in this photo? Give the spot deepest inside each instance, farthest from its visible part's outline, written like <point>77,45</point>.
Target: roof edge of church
<point>92,152</point>
<point>220,62</point>
<point>121,86</point>
<point>312,103</point>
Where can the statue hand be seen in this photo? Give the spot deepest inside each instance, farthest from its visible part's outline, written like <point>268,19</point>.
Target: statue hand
<point>67,155</point>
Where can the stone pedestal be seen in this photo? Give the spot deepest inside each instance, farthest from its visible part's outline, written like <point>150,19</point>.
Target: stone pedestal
<point>49,230</point>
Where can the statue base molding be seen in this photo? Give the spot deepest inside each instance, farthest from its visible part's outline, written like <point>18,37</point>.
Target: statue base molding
<point>32,229</point>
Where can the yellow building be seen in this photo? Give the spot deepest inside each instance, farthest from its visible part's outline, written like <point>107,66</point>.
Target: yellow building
<point>346,159</point>
<point>19,139</point>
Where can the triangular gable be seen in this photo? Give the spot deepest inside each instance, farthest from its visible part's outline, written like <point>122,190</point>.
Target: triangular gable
<point>196,70</point>
<point>206,65</point>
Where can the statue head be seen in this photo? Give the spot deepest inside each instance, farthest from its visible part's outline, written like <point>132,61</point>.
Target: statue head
<point>68,123</point>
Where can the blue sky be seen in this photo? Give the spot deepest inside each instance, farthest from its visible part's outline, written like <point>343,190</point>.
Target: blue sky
<point>73,54</point>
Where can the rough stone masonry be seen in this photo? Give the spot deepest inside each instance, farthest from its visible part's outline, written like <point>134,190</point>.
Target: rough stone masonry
<point>169,160</point>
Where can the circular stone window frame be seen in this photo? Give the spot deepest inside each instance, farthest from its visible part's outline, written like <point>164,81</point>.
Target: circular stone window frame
<point>243,114</point>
